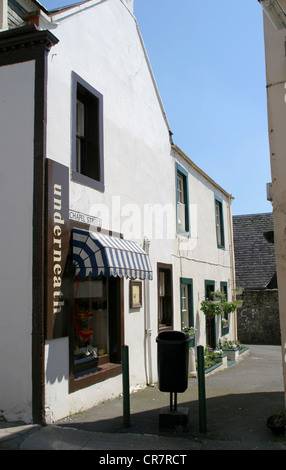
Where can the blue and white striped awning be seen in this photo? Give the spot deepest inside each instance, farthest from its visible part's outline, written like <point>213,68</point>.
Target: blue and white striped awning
<point>96,254</point>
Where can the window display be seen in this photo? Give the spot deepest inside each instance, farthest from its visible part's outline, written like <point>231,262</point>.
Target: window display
<point>90,321</point>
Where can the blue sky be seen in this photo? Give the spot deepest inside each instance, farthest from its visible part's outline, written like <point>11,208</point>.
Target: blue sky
<point>208,61</point>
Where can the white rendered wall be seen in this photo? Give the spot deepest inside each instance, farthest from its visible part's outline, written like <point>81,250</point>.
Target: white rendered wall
<point>102,45</point>
<point>276,104</point>
<point>201,259</point>
<point>16,194</point>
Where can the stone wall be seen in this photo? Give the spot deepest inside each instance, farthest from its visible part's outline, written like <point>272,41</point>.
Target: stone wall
<point>258,318</point>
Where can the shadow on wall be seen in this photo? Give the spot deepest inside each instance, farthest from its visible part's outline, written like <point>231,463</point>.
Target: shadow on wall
<point>57,366</point>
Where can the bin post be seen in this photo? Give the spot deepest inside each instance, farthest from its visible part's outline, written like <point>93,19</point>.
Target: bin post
<point>125,386</point>
<point>202,391</point>
<point>173,403</point>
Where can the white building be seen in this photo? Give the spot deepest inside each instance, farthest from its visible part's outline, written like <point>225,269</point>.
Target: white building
<point>88,164</point>
<point>274,20</point>
<point>204,258</point>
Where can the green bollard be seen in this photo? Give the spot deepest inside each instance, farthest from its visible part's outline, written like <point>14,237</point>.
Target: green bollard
<point>202,389</point>
<point>125,386</point>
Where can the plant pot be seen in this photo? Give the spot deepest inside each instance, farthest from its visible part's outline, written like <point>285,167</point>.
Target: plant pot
<point>239,290</point>
<point>192,363</point>
<point>276,429</point>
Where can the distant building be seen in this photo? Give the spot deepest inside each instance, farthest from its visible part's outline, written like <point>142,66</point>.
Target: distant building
<point>255,268</point>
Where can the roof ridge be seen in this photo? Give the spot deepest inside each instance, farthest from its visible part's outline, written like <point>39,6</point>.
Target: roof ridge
<point>252,215</point>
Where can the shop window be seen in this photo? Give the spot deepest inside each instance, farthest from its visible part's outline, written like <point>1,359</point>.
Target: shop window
<point>165,296</point>
<point>87,160</point>
<point>90,322</point>
<point>219,223</point>
<point>182,200</point>
<point>97,341</point>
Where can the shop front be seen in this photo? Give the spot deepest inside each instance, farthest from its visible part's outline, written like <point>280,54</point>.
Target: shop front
<point>100,262</point>
<point>86,267</point>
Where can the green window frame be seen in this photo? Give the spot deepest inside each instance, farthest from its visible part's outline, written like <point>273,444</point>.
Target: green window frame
<point>187,284</point>
<point>219,222</point>
<point>182,200</point>
<point>210,323</point>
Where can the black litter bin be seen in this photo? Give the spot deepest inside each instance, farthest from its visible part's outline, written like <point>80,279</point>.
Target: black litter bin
<point>173,361</point>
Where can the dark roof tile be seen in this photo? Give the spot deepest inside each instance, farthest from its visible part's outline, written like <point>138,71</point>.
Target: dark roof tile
<point>255,262</point>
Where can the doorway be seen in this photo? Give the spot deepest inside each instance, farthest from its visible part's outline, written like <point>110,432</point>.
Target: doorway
<point>165,296</point>
<point>210,322</point>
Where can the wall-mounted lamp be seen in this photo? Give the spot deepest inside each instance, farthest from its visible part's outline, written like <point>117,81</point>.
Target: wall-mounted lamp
<point>275,13</point>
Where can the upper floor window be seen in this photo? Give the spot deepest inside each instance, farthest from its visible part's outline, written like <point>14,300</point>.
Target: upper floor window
<point>87,154</point>
<point>182,199</point>
<point>219,223</point>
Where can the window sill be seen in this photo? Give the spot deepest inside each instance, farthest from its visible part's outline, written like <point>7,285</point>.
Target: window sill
<point>224,331</point>
<point>92,376</point>
<point>87,181</point>
<point>184,233</point>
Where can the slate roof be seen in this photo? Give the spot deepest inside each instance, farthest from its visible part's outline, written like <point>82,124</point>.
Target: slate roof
<point>255,263</point>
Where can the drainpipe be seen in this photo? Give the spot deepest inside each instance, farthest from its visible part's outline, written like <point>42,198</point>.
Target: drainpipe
<point>148,332</point>
<point>232,267</point>
<point>3,14</point>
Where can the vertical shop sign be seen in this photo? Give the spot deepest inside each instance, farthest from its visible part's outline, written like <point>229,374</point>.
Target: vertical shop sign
<point>57,250</point>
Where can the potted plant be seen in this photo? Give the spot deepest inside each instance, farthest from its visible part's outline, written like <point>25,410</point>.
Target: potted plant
<point>190,330</point>
<point>218,305</point>
<point>212,307</point>
<point>277,422</point>
<point>231,348</point>
<point>209,360</point>
<point>230,345</point>
<point>216,353</point>
<point>239,290</point>
<point>225,323</point>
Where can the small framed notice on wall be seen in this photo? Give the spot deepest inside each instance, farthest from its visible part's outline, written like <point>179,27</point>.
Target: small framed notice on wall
<point>135,294</point>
